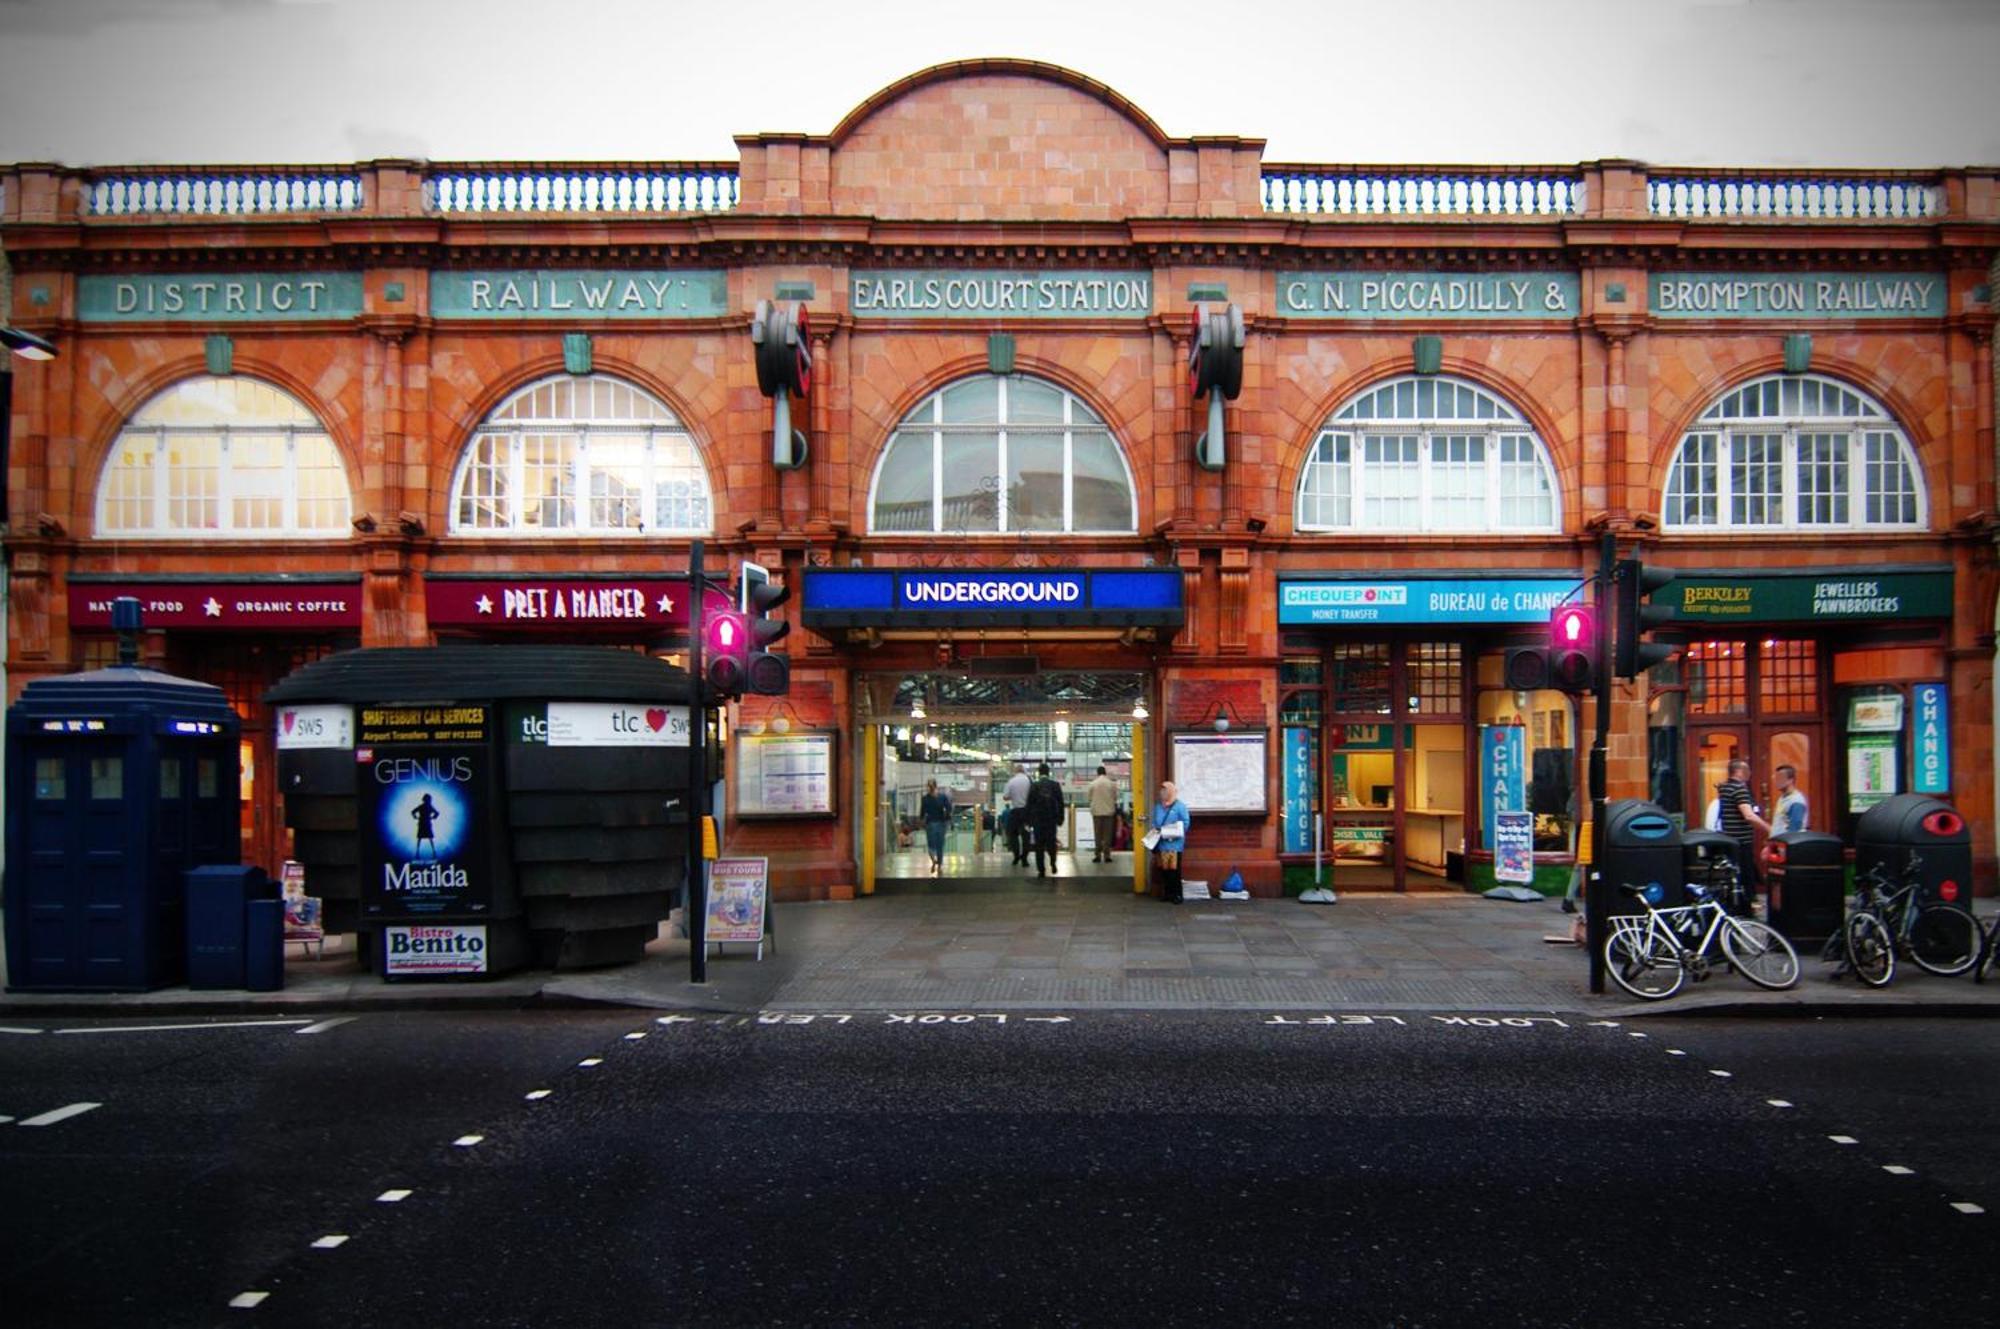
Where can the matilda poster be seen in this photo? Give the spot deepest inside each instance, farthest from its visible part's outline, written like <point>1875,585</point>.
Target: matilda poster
<point>423,776</point>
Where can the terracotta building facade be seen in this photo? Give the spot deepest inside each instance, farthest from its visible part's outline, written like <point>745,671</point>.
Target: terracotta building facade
<point>297,409</point>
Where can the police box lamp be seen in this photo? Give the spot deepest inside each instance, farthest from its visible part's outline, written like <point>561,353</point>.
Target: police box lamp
<point>126,622</point>
<point>1633,583</point>
<point>783,341</point>
<point>1215,370</point>
<point>765,673</point>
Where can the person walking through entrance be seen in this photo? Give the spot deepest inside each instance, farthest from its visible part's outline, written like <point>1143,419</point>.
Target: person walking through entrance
<point>426,814</point>
<point>1167,839</point>
<point>1103,816</point>
<point>936,812</point>
<point>1739,815</point>
<point>1045,811</point>
<point>1017,815</point>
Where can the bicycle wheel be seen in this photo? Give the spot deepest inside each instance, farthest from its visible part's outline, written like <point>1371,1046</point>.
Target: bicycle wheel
<point>1760,953</point>
<point>1987,951</point>
<point>1870,952</point>
<point>1944,940</point>
<point>1643,964</point>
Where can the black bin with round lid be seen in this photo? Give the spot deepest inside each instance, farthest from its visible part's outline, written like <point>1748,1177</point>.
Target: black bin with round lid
<point>1642,847</point>
<point>1907,828</point>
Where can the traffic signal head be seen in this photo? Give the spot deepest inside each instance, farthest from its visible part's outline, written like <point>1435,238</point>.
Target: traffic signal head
<point>1573,648</point>
<point>726,642</point>
<point>1634,582</point>
<point>766,673</point>
<point>1527,668</point>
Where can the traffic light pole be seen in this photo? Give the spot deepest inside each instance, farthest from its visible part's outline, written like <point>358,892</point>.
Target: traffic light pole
<point>697,802</point>
<point>1596,909</point>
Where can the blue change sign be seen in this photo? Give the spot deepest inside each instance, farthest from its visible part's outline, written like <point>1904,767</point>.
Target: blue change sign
<point>1051,597</point>
<point>1930,739</point>
<point>1461,598</point>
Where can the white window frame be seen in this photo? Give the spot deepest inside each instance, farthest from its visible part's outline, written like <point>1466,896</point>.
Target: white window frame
<point>161,437</point>
<point>1492,420</point>
<point>1076,417</point>
<point>652,432</point>
<point>1863,419</point>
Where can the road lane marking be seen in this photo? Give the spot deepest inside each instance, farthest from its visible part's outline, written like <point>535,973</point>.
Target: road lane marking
<point>467,1141</point>
<point>157,1028</point>
<point>61,1114</point>
<point>534,1094</point>
<point>1966,1207</point>
<point>591,1061</point>
<point>246,1301</point>
<point>1675,1052</point>
<point>332,1241</point>
<point>393,1197</point>
<point>325,1025</point>
<point>1723,1075</point>
<point>17,1029</point>
<point>1898,1170</point>
<point>1633,1033</point>
<point>5,1120</point>
<point>1778,1102</point>
<point>1843,1139</point>
<point>635,1036</point>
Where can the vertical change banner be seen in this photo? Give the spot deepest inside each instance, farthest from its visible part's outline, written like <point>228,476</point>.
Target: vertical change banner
<point>1503,784</point>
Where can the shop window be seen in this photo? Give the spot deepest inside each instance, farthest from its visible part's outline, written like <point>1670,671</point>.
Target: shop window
<point>223,457</point>
<point>1436,674</point>
<point>581,456</point>
<point>1547,721</point>
<point>1788,677</point>
<point>993,454</point>
<point>1717,677</point>
<point>1427,454</point>
<point>1359,678</point>
<point>1794,452</point>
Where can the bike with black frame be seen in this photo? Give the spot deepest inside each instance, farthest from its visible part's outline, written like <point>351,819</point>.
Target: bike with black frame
<point>1888,920</point>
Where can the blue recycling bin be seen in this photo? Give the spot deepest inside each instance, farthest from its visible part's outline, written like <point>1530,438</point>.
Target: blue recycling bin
<point>218,901</point>
<point>264,944</point>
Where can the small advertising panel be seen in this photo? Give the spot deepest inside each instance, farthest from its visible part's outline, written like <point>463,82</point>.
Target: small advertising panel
<point>432,949</point>
<point>1221,772</point>
<point>785,775</point>
<point>424,777</point>
<point>739,899</point>
<point>1514,846</point>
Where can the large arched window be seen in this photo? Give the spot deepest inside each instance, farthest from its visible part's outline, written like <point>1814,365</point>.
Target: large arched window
<point>1794,451</point>
<point>581,456</point>
<point>997,453</point>
<point>1427,454</point>
<point>223,457</point>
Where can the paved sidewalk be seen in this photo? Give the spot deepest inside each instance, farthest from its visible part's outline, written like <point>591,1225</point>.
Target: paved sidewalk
<point>1028,950</point>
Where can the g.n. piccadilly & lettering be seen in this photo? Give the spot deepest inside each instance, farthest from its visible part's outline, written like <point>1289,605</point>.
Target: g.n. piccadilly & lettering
<point>1428,295</point>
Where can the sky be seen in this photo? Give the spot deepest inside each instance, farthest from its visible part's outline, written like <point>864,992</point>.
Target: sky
<point>1884,83</point>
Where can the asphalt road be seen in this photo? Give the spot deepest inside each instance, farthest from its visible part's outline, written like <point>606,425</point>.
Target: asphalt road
<point>959,1168</point>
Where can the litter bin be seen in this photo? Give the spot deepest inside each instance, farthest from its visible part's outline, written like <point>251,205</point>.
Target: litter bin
<point>264,944</point>
<point>218,899</point>
<point>1642,847</point>
<point>1708,859</point>
<point>1807,884</point>
<point>1905,824</point>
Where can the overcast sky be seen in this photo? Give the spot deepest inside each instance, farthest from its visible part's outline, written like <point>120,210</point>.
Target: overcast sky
<point>1732,82</point>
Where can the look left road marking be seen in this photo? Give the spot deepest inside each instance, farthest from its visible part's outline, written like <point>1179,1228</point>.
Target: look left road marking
<point>158,1028</point>
<point>61,1114</point>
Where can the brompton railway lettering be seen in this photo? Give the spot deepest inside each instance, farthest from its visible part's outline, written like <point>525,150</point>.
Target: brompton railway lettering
<point>1796,295</point>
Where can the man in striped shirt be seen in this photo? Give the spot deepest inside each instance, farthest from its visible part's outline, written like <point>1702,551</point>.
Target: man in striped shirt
<point>1739,817</point>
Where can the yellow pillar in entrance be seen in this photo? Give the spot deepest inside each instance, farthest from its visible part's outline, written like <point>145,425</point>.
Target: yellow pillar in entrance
<point>869,811</point>
<point>1140,808</point>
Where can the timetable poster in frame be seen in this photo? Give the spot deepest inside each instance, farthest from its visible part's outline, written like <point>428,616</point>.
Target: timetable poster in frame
<point>785,775</point>
<point>1222,772</point>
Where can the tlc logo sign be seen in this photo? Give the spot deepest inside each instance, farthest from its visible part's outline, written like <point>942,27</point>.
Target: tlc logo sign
<point>595,724</point>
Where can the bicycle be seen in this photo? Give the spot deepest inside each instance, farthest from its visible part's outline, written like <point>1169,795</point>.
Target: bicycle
<point>1888,920</point>
<point>1652,956</point>
<point>1989,952</point>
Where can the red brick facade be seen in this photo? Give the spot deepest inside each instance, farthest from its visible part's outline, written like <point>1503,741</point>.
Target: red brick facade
<point>1001,164</point>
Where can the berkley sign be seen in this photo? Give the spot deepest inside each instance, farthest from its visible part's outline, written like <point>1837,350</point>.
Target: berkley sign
<point>546,603</point>
<point>223,605</point>
<point>1813,597</point>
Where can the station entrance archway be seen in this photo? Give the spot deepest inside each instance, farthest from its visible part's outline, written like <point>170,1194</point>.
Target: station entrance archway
<point>967,730</point>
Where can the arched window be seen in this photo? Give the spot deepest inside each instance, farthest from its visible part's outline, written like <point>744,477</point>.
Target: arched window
<point>581,456</point>
<point>220,457</point>
<point>1794,451</point>
<point>997,453</point>
<point>1427,454</point>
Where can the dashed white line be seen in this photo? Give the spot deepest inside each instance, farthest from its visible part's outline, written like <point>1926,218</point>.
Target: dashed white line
<point>246,1301</point>
<point>332,1241</point>
<point>635,1036</point>
<point>1898,1170</point>
<point>1779,1102</point>
<point>534,1094</point>
<point>1843,1139</point>
<point>1723,1075</point>
<point>325,1025</point>
<point>1966,1207</point>
<point>160,1028</point>
<point>17,1029</point>
<point>5,1120</point>
<point>591,1061</point>
<point>1675,1052</point>
<point>61,1114</point>
<point>467,1141</point>
<point>393,1197</point>
<point>1633,1033</point>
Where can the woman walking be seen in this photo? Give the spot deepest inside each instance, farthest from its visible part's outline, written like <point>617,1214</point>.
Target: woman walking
<point>1170,821</point>
<point>936,812</point>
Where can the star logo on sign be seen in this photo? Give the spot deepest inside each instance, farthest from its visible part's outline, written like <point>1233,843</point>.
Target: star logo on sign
<point>213,607</point>
<point>666,604</point>
<point>485,604</point>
